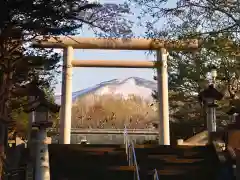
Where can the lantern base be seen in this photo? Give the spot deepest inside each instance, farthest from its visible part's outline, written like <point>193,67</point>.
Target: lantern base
<point>213,105</point>
<point>42,124</point>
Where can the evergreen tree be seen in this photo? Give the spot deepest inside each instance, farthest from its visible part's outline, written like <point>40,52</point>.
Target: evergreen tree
<point>22,20</point>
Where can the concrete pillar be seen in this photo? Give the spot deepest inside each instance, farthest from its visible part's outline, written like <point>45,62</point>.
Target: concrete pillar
<point>42,157</point>
<point>211,122</point>
<point>31,119</point>
<point>162,74</point>
<point>66,100</point>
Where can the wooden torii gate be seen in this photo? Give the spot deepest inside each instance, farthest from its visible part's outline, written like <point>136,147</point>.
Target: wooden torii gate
<point>70,43</point>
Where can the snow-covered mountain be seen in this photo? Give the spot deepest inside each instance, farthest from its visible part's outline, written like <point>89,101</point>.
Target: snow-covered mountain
<point>126,87</point>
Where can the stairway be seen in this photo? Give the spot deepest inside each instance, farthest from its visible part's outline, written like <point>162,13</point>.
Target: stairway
<point>179,162</point>
<point>89,162</point>
<point>108,162</point>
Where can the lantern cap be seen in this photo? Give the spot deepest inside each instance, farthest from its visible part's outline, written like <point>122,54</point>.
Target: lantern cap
<point>42,102</point>
<point>235,107</point>
<point>232,111</point>
<point>30,89</point>
<point>210,92</point>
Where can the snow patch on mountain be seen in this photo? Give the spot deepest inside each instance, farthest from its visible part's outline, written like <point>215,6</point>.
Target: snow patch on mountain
<point>131,86</point>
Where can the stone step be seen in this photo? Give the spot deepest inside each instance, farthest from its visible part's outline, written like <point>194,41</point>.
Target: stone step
<point>93,173</point>
<point>185,151</point>
<point>110,162</point>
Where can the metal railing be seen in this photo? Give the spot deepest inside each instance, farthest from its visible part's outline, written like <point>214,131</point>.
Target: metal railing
<point>155,175</point>
<point>134,159</point>
<point>131,155</point>
<point>126,140</point>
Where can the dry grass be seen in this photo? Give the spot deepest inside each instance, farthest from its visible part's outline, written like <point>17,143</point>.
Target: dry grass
<point>108,112</point>
<point>112,112</point>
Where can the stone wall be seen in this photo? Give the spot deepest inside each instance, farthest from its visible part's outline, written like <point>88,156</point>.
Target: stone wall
<point>107,138</point>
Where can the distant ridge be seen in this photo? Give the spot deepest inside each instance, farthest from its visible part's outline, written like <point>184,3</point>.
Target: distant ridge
<point>129,86</point>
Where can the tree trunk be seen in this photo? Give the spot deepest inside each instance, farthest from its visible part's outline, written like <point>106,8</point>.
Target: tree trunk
<point>5,93</point>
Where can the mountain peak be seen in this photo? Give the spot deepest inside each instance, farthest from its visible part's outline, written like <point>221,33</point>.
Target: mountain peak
<point>125,87</point>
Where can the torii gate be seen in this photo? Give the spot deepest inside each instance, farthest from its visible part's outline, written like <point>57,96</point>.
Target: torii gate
<point>70,43</point>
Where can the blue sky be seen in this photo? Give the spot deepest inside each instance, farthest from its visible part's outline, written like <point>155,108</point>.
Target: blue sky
<point>86,77</point>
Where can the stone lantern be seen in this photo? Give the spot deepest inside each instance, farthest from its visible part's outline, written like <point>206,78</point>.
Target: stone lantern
<point>208,97</point>
<point>42,108</point>
<point>38,108</point>
<point>233,112</point>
